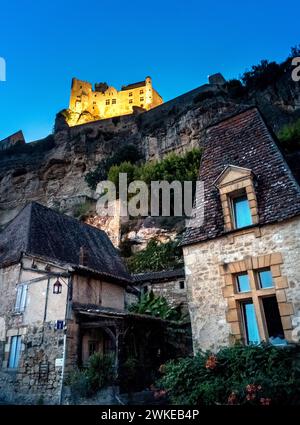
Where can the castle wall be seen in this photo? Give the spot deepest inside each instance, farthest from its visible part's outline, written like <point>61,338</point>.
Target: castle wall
<point>206,284</point>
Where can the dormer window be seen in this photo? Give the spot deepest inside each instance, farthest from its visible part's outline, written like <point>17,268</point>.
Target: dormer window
<point>238,197</point>
<point>241,212</point>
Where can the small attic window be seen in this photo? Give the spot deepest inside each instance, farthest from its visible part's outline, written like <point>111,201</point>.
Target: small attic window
<point>238,197</point>
<point>241,212</point>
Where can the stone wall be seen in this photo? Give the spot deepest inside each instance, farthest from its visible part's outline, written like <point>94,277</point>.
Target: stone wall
<point>38,377</point>
<point>206,282</point>
<point>171,290</point>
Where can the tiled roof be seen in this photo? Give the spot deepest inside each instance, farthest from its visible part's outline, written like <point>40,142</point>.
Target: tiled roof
<point>158,276</point>
<point>100,311</point>
<point>244,140</point>
<point>47,234</point>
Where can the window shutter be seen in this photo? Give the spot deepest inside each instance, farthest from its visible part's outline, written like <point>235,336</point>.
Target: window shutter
<point>18,299</point>
<point>23,298</point>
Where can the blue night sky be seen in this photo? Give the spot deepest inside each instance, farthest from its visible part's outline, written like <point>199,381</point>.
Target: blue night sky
<point>178,43</point>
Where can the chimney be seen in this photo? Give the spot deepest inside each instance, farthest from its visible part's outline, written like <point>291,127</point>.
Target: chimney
<point>83,256</point>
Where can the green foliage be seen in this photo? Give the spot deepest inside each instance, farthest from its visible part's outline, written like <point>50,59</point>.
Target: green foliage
<point>81,210</point>
<point>79,384</point>
<point>262,75</point>
<point>235,88</point>
<point>235,375</point>
<point>157,256</point>
<point>157,306</point>
<point>289,136</point>
<point>100,371</point>
<point>125,153</point>
<point>98,374</point>
<point>173,167</point>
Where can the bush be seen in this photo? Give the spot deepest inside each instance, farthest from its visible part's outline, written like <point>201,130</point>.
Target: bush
<point>235,88</point>
<point>156,306</point>
<point>236,375</point>
<point>173,167</point>
<point>98,374</point>
<point>262,75</point>
<point>156,256</point>
<point>289,136</point>
<point>125,153</point>
<point>100,371</point>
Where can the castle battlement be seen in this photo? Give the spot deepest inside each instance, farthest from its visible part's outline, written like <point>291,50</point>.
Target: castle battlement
<point>103,101</point>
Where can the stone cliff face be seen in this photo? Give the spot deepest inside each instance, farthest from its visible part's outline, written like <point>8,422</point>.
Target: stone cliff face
<point>52,171</point>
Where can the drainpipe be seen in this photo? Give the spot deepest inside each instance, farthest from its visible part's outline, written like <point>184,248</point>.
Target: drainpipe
<point>64,345</point>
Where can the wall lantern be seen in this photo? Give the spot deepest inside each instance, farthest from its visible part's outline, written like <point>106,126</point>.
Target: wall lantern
<point>57,287</point>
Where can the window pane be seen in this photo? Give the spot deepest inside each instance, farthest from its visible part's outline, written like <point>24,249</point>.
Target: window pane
<point>265,279</point>
<point>242,214</point>
<point>252,333</point>
<point>273,321</point>
<point>243,284</point>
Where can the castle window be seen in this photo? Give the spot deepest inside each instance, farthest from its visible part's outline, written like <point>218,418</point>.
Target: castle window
<point>241,212</point>
<point>141,99</point>
<point>114,101</point>
<point>181,284</point>
<point>94,103</point>
<point>130,100</point>
<point>130,94</point>
<point>257,306</point>
<point>107,102</point>
<point>14,352</point>
<point>21,298</point>
<point>141,91</point>
<point>142,105</point>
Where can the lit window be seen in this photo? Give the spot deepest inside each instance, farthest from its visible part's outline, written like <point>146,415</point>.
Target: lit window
<point>241,211</point>
<point>114,101</point>
<point>250,322</point>
<point>130,100</point>
<point>243,284</point>
<point>130,94</point>
<point>265,279</point>
<point>273,321</point>
<point>14,353</point>
<point>107,102</point>
<point>21,298</point>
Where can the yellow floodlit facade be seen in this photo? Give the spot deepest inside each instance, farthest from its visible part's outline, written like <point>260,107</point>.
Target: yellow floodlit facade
<point>88,104</point>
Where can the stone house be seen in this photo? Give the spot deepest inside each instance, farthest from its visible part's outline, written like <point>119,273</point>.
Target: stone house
<point>169,284</point>
<point>242,263</point>
<point>64,291</point>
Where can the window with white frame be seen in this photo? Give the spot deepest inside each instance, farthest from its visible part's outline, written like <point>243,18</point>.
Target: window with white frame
<point>14,353</point>
<point>21,298</point>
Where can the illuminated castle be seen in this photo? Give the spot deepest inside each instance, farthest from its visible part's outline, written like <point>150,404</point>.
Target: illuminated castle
<point>105,101</point>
